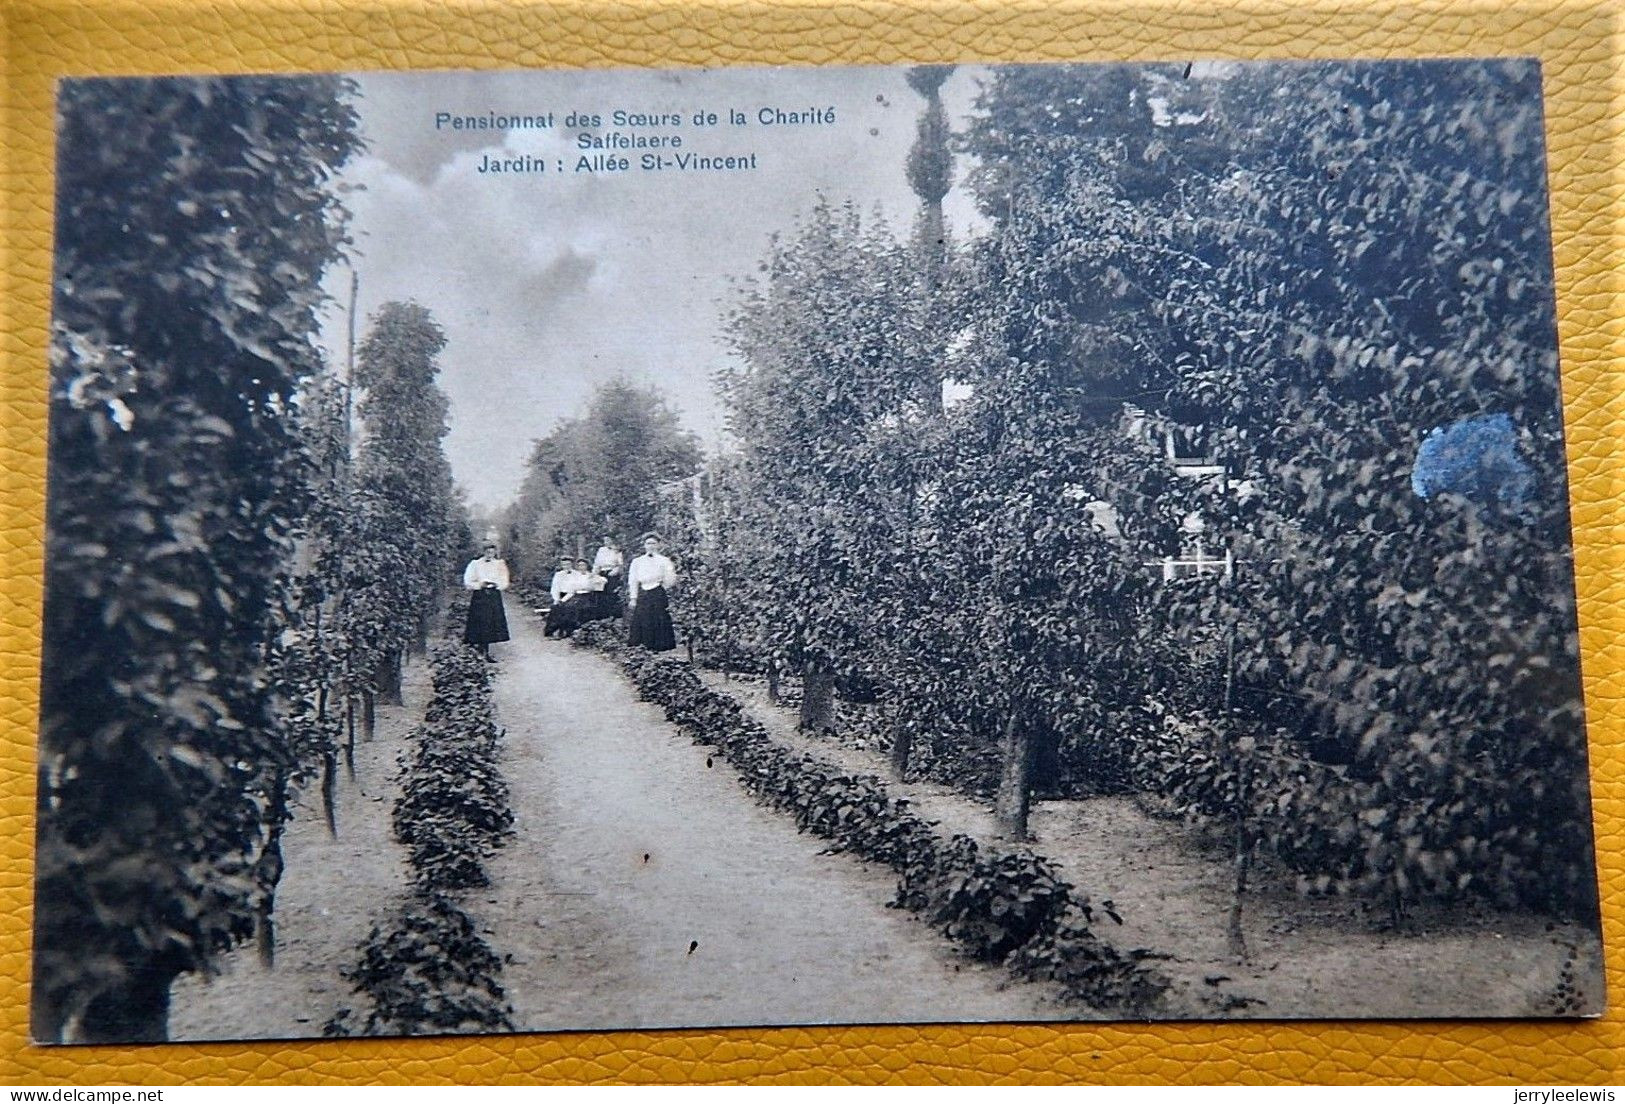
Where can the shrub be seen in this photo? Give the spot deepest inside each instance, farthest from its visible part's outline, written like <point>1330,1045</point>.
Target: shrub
<point>429,972</point>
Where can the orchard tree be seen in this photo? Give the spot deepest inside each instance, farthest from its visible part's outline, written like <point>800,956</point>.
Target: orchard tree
<point>194,222</point>
<point>404,527</point>
<point>930,170</point>
<point>825,399</point>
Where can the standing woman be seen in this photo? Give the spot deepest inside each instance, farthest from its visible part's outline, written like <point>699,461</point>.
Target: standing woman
<point>648,611</point>
<point>487,577</point>
<point>611,564</point>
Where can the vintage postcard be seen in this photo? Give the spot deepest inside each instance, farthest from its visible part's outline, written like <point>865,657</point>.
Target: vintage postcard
<point>537,551</point>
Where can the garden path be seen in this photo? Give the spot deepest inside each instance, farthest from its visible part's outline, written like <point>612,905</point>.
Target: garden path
<point>645,888</point>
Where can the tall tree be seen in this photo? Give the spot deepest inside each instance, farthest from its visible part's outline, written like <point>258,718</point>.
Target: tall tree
<point>404,505</point>
<point>832,347</point>
<point>599,474</point>
<point>194,222</point>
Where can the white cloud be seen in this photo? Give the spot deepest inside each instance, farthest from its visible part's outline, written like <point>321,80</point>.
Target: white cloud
<point>549,284</point>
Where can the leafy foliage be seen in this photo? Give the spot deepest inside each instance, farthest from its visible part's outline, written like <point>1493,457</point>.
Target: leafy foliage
<point>429,972</point>
<point>597,475</point>
<point>1310,278</point>
<point>195,220</point>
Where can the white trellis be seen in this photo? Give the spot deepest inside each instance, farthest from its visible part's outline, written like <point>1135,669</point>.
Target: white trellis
<point>1197,564</point>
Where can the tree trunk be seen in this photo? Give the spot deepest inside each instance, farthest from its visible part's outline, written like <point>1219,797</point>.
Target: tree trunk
<point>902,746</point>
<point>268,872</point>
<point>349,739</point>
<point>1235,936</point>
<point>369,715</point>
<point>1013,799</point>
<point>386,681</point>
<point>773,695</point>
<point>330,770</point>
<point>135,1012</point>
<point>817,698</point>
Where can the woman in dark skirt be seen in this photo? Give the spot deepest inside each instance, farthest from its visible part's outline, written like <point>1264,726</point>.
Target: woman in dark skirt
<point>561,615</point>
<point>487,578</point>
<point>649,578</point>
<point>611,565</point>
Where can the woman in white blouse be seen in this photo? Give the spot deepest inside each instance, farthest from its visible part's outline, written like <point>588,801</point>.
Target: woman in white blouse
<point>487,578</point>
<point>560,615</point>
<point>610,565</point>
<point>649,578</point>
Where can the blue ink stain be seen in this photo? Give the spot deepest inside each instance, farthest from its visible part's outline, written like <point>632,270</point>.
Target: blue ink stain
<point>1476,458</point>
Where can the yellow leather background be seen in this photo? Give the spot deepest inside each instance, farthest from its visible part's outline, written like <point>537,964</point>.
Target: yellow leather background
<point>1585,86</point>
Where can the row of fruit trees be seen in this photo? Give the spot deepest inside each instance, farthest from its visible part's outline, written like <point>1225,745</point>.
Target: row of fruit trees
<point>1316,272</point>
<point>245,543</point>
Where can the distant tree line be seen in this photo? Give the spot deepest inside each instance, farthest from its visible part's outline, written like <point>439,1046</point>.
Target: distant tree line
<point>599,474</point>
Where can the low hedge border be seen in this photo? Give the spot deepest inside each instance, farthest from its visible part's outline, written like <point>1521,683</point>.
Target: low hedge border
<point>1012,908</point>
<point>453,810</point>
<point>429,973</point>
<point>429,970</point>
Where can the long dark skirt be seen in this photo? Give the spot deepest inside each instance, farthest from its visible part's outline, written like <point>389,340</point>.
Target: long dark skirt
<point>487,624</point>
<point>612,601</point>
<point>565,617</point>
<point>649,623</point>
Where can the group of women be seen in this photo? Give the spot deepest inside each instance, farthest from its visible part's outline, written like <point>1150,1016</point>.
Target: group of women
<point>606,588</point>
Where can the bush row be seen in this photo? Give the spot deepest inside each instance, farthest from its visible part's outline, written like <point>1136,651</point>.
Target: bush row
<point>1012,908</point>
<point>453,811</point>
<point>429,970</point>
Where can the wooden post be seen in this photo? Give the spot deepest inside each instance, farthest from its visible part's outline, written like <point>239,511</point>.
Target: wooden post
<point>349,364</point>
<point>330,770</point>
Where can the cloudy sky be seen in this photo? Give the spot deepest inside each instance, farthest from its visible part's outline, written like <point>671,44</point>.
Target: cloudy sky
<point>550,283</point>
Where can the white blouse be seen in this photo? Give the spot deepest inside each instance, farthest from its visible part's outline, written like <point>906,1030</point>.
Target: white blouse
<point>567,584</point>
<point>650,570</point>
<point>608,559</point>
<point>482,571</point>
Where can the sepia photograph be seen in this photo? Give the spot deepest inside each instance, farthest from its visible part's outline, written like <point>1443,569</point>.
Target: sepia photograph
<point>539,551</point>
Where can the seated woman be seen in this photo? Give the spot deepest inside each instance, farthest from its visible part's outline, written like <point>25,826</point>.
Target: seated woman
<point>561,616</point>
<point>589,595</point>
